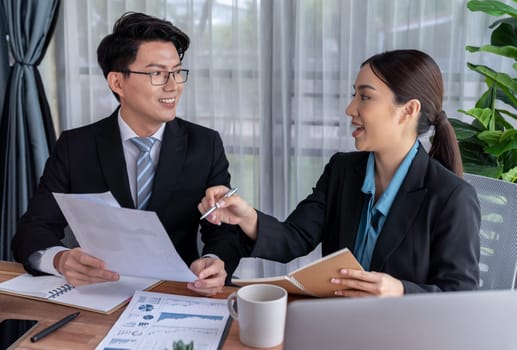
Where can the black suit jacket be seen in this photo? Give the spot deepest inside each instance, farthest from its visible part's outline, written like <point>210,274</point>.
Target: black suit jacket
<point>91,159</point>
<point>430,239</point>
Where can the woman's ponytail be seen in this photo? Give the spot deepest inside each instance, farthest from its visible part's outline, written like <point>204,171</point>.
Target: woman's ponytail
<point>444,145</point>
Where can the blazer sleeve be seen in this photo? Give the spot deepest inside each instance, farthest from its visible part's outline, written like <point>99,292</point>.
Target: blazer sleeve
<point>301,232</point>
<point>228,242</point>
<point>42,225</point>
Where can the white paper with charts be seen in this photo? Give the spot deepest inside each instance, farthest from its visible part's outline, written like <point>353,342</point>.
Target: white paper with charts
<point>131,242</point>
<point>157,320</point>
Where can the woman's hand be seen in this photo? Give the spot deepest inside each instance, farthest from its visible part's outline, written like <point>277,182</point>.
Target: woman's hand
<point>357,283</point>
<point>230,210</point>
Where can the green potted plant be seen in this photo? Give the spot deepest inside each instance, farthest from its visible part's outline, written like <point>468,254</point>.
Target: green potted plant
<point>488,144</point>
<point>180,345</point>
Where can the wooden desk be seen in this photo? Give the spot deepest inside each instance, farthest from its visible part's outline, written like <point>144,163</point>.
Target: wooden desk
<point>89,328</point>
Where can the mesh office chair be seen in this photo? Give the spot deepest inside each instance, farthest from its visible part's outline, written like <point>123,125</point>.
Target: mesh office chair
<point>498,233</point>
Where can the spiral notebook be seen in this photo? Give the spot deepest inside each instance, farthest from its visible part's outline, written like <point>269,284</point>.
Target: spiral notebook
<point>100,297</point>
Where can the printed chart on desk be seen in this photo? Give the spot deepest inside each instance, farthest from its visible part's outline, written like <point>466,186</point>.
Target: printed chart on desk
<point>157,321</point>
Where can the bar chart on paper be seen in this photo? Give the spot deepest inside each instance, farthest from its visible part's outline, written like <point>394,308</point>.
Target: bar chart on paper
<point>155,321</point>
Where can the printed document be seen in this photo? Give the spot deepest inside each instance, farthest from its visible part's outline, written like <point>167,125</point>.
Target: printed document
<point>157,321</point>
<point>131,242</point>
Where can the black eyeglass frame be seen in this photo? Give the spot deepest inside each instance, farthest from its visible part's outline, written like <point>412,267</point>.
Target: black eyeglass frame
<point>159,72</point>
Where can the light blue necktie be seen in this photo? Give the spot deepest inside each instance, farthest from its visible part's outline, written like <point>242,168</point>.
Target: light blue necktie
<point>144,170</point>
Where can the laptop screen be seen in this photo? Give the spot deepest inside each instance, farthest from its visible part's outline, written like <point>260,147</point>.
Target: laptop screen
<point>445,321</point>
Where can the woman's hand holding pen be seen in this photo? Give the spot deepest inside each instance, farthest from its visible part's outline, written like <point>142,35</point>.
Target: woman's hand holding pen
<point>230,210</point>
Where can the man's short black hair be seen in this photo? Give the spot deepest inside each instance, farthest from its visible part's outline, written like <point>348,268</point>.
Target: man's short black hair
<point>119,49</point>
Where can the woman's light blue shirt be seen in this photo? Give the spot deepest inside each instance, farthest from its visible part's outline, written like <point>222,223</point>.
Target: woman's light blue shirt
<point>375,213</point>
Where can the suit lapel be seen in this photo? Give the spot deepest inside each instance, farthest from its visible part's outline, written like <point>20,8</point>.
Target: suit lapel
<point>353,206</point>
<point>403,211</point>
<point>112,161</point>
<point>172,157</point>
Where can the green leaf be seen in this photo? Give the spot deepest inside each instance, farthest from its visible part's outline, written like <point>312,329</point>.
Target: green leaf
<point>508,20</point>
<point>502,96</point>
<point>180,345</point>
<point>511,175</point>
<point>483,115</point>
<point>509,94</point>
<point>507,142</point>
<point>508,113</point>
<point>489,171</point>
<point>500,122</point>
<point>509,160</point>
<point>490,137</point>
<point>472,152</point>
<point>491,7</point>
<point>509,135</point>
<point>462,129</point>
<point>506,51</point>
<point>472,48</point>
<point>504,35</point>
<point>485,101</point>
<point>502,79</point>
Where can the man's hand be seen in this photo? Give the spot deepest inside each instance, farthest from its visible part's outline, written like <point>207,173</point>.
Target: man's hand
<point>358,283</point>
<point>211,276</point>
<point>80,268</point>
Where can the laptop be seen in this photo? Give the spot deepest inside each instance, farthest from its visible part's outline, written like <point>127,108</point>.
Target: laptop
<point>481,320</point>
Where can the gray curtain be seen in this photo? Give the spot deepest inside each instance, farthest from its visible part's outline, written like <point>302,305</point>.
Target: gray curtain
<point>4,61</point>
<point>26,131</point>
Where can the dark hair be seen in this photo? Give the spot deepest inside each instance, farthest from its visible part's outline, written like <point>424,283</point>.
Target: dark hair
<point>119,49</point>
<point>412,74</point>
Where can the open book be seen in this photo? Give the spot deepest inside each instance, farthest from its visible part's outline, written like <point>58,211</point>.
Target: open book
<point>312,279</point>
<point>100,297</point>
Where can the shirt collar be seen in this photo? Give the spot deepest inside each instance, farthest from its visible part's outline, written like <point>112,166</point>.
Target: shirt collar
<point>383,204</point>
<point>127,133</point>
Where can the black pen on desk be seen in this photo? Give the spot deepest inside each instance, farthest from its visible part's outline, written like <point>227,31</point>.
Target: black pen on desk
<point>226,195</point>
<point>54,327</point>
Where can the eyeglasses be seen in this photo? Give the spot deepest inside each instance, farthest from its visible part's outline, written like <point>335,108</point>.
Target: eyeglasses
<point>159,78</point>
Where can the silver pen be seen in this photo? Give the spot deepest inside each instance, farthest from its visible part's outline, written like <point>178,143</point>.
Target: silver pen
<point>226,195</point>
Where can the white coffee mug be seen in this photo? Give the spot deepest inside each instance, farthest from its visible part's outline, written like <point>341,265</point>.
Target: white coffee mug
<point>261,310</point>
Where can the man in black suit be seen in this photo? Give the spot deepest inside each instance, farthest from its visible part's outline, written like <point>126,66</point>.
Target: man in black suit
<point>142,62</point>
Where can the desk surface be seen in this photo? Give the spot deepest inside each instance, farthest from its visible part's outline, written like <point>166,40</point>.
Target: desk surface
<point>89,329</point>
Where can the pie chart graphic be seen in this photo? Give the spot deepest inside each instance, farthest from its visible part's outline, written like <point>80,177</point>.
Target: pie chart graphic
<point>146,307</point>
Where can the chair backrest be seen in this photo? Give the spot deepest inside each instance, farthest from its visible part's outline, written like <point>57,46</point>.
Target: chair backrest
<point>498,233</point>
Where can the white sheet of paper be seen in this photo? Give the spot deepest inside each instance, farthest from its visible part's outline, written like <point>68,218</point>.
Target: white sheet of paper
<point>131,242</point>
<point>154,321</point>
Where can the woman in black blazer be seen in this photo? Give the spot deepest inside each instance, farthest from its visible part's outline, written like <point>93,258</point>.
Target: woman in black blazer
<point>408,216</point>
